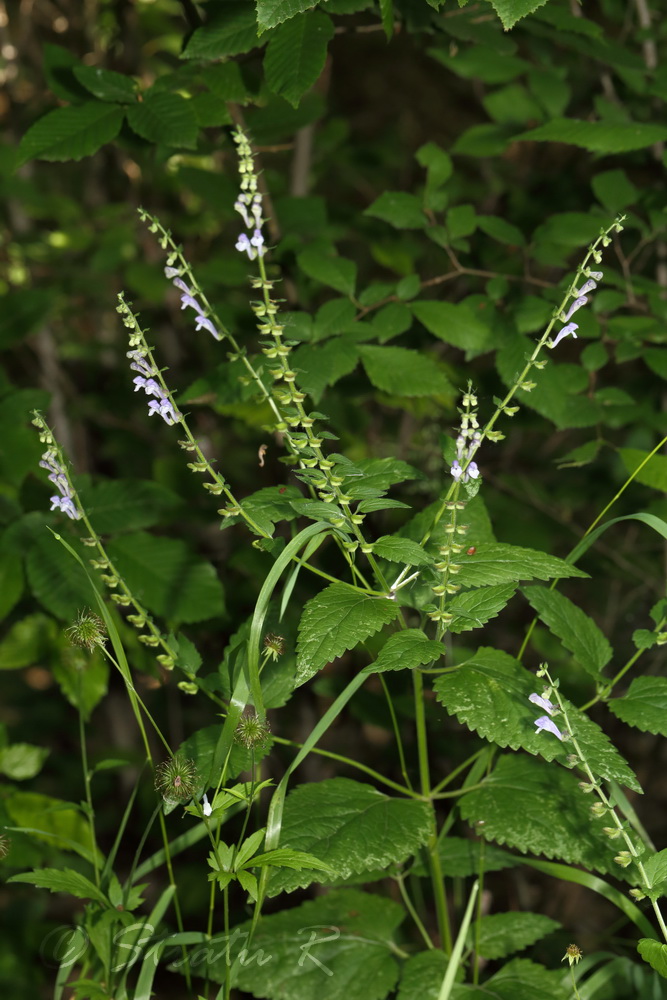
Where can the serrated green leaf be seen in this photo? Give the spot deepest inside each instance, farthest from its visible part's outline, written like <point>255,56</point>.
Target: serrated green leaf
<point>51,821</point>
<point>71,133</point>
<point>369,506</point>
<point>401,372</point>
<point>324,364</point>
<point>106,84</point>
<point>63,880</point>
<point>405,650</point>
<point>231,31</point>
<point>655,867</point>
<point>597,137</point>
<point>57,581</point>
<point>167,577</point>
<point>500,230</point>
<point>27,642</point>
<point>21,761</point>
<point>653,473</point>
<point>331,270</point>
<point>119,505</point>
<point>164,118</point>
<point>349,826</point>
<point>574,628</point>
<point>537,808</point>
<point>456,324</point>
<point>512,11</point>
<point>655,954</point>
<point>644,706</point>
<point>398,549</point>
<point>422,975</point>
<point>399,209</point>
<point>502,934</point>
<point>296,54</point>
<point>495,562</point>
<point>489,694</point>
<point>475,608</point>
<point>614,191</point>
<point>335,621</point>
<point>347,932</point>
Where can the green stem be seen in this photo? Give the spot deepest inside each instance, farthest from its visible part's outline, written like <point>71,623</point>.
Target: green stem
<point>437,880</point>
<point>86,781</point>
<point>412,911</point>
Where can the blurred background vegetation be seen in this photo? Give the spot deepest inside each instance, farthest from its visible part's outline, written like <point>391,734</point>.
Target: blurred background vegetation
<point>440,158</point>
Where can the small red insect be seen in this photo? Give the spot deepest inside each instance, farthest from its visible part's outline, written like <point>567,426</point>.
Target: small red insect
<point>471,551</point>
<point>282,489</point>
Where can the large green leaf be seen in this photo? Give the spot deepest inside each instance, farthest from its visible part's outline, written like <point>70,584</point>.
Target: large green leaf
<point>230,31</point>
<point>320,365</point>
<point>597,137</point>
<point>399,209</point>
<point>519,979</point>
<point>653,472</point>
<point>270,13</point>
<point>167,577</point>
<point>335,621</point>
<point>504,933</point>
<point>21,761</point>
<point>495,562</point>
<point>50,820</point>
<point>119,505</point>
<point>511,11</point>
<point>63,880</point>
<point>71,133</point>
<point>330,269</point>
<point>644,705</point>
<point>403,550</point>
<point>106,84</point>
<point>474,608</point>
<point>454,323</point>
<point>296,54</point>
<point>200,748</point>
<point>406,650</point>
<point>57,581</point>
<point>489,694</point>
<point>351,827</point>
<point>574,628</point>
<point>28,641</point>
<point>538,808</point>
<point>347,933</point>
<point>164,118</point>
<point>402,372</point>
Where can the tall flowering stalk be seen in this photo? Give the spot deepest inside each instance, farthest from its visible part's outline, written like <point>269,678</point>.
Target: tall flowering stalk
<point>575,297</point>
<point>604,808</point>
<point>316,469</point>
<point>119,591</point>
<point>151,381</point>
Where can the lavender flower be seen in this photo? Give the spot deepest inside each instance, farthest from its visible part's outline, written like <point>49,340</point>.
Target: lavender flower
<point>165,409</point>
<point>58,477</point>
<point>588,286</point>
<point>66,505</point>
<point>567,331</point>
<point>147,381</point>
<point>544,722</point>
<point>249,202</point>
<point>543,703</point>
<point>577,304</point>
<point>188,300</point>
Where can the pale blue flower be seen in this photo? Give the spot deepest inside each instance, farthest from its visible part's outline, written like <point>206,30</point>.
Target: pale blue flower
<point>171,272</point>
<point>202,322</point>
<point>187,300</point>
<point>598,275</point>
<point>577,304</point>
<point>243,245</point>
<point>139,364</point>
<point>588,286</point>
<point>543,702</point>
<point>257,241</point>
<point>149,385</point>
<point>66,505</point>
<point>567,331</point>
<point>544,722</point>
<point>165,409</point>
